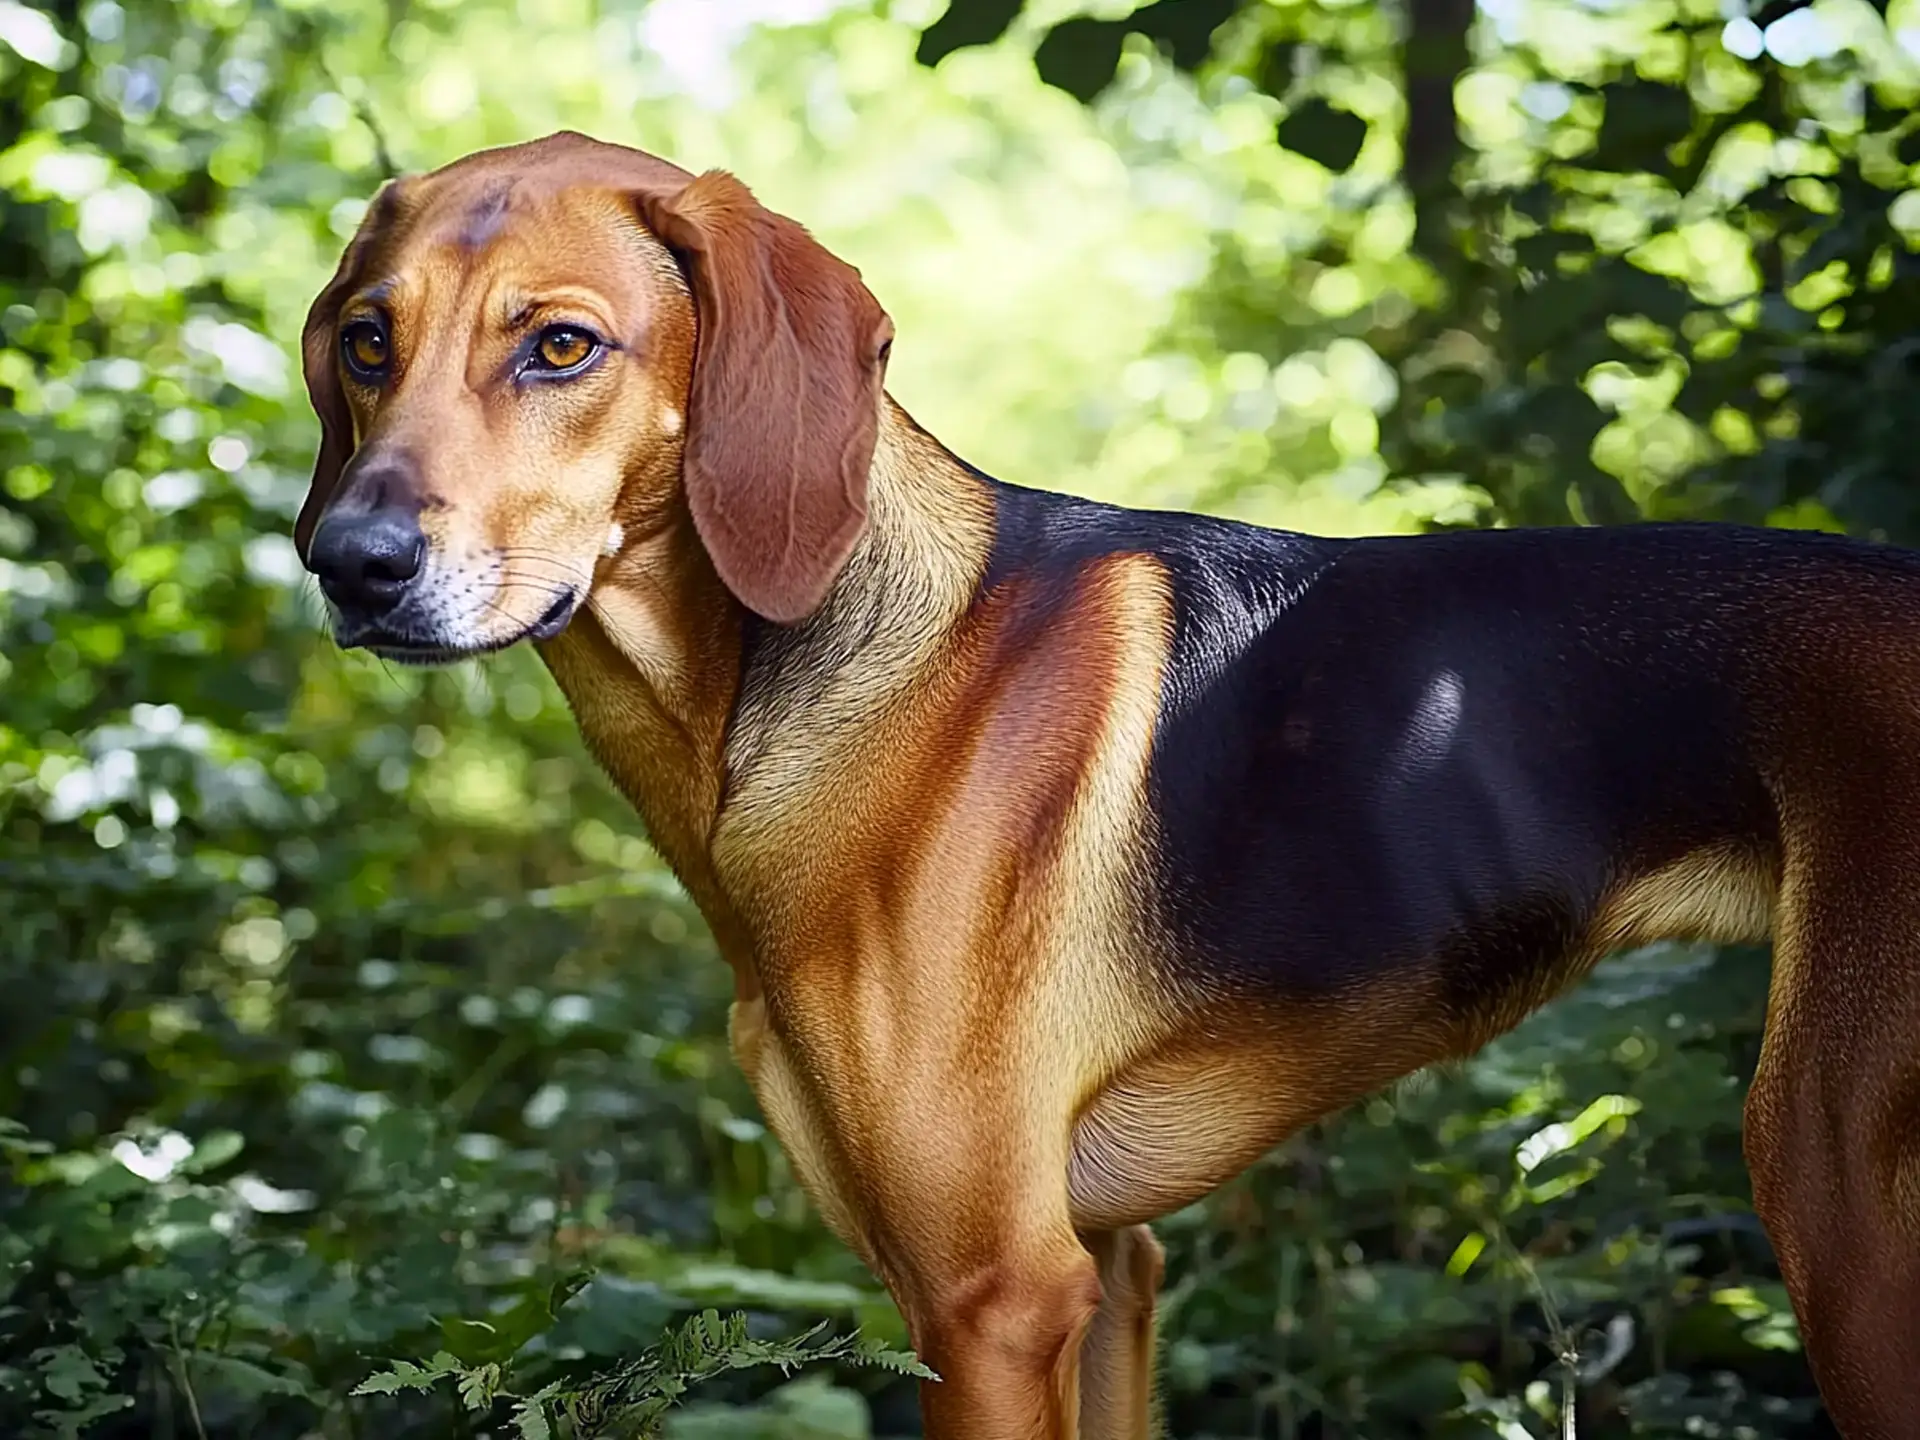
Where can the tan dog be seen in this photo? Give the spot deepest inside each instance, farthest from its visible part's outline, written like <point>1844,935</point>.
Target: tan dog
<point>1068,857</point>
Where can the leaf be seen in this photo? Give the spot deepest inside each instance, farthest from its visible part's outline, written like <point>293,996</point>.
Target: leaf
<point>67,1372</point>
<point>900,1362</point>
<point>504,1334</point>
<point>212,1152</point>
<point>75,1423</point>
<point>735,1285</point>
<point>617,1316</point>
<point>397,1377</point>
<point>405,1375</point>
<point>1184,27</point>
<point>480,1385</point>
<point>1080,56</point>
<point>473,1341</point>
<point>244,1380</point>
<point>530,1419</point>
<point>811,1409</point>
<point>1323,133</point>
<point>967,22</point>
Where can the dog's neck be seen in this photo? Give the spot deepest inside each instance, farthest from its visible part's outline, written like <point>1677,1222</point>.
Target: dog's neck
<point>692,705</point>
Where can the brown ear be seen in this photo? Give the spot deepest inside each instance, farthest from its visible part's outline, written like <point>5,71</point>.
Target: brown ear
<point>321,365</point>
<point>784,404</point>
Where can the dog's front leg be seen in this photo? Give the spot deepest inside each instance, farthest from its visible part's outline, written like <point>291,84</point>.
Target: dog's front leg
<point>1005,1340</point>
<point>954,1189</point>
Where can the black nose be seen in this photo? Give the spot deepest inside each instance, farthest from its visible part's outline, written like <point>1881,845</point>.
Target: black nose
<point>365,561</point>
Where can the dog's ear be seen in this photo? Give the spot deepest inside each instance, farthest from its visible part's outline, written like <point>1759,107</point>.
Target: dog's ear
<point>784,404</point>
<point>320,363</point>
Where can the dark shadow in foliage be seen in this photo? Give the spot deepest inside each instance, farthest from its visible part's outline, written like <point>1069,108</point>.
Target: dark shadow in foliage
<point>1323,132</point>
<point>968,22</point>
<point>1081,54</point>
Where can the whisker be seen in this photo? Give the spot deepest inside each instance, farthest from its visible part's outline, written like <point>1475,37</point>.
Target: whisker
<point>387,669</point>
<point>542,558</point>
<point>571,578</point>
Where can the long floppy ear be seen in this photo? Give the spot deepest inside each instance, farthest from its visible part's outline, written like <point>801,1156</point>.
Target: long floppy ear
<point>322,367</point>
<point>783,409</point>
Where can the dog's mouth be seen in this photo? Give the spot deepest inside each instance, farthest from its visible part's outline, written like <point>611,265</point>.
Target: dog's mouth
<point>391,643</point>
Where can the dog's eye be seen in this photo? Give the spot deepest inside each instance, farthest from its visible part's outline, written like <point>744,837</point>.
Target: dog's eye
<point>364,344</point>
<point>564,348</point>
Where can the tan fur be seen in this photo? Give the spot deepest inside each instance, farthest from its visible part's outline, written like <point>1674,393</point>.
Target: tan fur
<point>1722,894</point>
<point>1228,1085</point>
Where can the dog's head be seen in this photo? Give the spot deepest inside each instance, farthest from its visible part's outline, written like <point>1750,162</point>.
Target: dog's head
<point>539,353</point>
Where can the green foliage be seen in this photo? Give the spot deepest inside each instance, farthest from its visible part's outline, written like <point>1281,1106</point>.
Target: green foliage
<point>631,1398</point>
<point>347,1016</point>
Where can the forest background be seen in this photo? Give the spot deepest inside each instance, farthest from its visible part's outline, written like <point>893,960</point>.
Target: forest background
<point>348,1018</point>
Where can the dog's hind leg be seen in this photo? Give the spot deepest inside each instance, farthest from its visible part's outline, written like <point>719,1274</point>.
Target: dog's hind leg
<point>1833,1118</point>
<point>1116,1359</point>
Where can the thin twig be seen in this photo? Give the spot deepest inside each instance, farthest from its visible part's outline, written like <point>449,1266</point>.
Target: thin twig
<point>1566,1349</point>
<point>363,108</point>
<point>186,1381</point>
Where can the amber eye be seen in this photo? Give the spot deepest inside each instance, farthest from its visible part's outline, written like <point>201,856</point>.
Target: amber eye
<point>365,346</point>
<point>564,348</point>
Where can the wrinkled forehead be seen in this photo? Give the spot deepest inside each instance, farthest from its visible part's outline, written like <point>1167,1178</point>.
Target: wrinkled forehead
<point>551,221</point>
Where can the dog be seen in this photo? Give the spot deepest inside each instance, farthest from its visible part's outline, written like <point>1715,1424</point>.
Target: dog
<point>1070,857</point>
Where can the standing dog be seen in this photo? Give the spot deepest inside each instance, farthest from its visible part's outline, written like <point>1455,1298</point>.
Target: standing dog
<point>1070,857</point>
